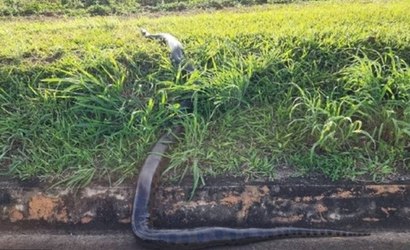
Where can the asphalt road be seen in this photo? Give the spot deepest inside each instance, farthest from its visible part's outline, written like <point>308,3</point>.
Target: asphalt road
<point>126,241</point>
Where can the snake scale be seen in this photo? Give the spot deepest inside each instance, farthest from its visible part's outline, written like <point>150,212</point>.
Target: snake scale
<point>203,236</point>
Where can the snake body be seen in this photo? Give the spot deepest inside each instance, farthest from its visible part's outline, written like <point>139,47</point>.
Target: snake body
<point>203,236</point>
<point>175,46</point>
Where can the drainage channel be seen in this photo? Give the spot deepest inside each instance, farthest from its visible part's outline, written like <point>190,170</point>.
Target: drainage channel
<point>378,208</point>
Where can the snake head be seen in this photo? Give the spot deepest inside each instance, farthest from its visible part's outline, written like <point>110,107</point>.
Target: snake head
<point>144,32</point>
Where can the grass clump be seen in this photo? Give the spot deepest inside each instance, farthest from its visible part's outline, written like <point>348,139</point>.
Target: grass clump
<point>84,125</point>
<point>318,87</point>
<point>116,7</point>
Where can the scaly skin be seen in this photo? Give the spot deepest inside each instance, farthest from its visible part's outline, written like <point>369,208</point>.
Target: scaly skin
<point>175,46</point>
<point>204,236</point>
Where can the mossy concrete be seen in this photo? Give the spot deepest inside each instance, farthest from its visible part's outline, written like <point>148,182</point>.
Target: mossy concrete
<point>23,205</point>
<point>342,206</point>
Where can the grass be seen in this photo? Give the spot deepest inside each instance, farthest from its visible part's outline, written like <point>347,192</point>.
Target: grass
<point>115,7</point>
<point>318,86</point>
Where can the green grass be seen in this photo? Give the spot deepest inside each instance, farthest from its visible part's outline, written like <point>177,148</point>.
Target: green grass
<point>318,86</point>
<point>116,7</point>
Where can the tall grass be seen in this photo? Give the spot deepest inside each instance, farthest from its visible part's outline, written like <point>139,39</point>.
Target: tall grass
<point>90,123</point>
<point>116,7</point>
<point>311,87</point>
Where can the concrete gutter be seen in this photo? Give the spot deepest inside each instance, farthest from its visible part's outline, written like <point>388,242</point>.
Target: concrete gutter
<point>24,205</point>
<point>348,206</point>
<point>353,207</point>
<point>315,203</point>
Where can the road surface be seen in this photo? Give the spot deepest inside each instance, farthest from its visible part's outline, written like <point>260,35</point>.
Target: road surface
<point>124,240</point>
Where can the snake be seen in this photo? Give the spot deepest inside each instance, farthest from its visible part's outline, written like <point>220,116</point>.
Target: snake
<point>201,237</point>
<point>175,46</point>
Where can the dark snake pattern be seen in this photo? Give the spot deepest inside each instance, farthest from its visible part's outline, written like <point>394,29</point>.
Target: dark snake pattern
<point>203,236</point>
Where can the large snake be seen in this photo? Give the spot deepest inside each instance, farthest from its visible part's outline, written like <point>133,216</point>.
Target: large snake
<point>203,236</point>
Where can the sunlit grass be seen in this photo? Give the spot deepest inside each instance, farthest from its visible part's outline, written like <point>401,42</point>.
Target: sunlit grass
<point>318,86</point>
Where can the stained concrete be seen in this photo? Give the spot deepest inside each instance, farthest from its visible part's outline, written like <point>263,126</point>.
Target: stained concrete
<point>340,206</point>
<point>72,213</point>
<point>349,206</point>
<point>96,203</point>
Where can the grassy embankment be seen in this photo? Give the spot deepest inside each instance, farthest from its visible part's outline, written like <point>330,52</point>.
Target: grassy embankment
<point>315,87</point>
<point>116,7</point>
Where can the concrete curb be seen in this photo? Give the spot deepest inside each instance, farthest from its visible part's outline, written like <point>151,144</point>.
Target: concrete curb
<point>106,205</point>
<point>257,205</point>
<point>282,203</point>
<point>366,207</point>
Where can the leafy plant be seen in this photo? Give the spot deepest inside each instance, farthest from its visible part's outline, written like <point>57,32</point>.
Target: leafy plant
<point>321,87</point>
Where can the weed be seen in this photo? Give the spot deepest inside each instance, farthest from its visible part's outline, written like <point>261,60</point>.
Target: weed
<point>318,86</point>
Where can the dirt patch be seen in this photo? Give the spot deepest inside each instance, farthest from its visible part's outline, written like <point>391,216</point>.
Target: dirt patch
<point>86,219</point>
<point>16,215</point>
<point>344,194</point>
<point>320,208</point>
<point>287,220</point>
<point>250,196</point>
<point>384,189</point>
<point>46,208</point>
<point>231,200</point>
